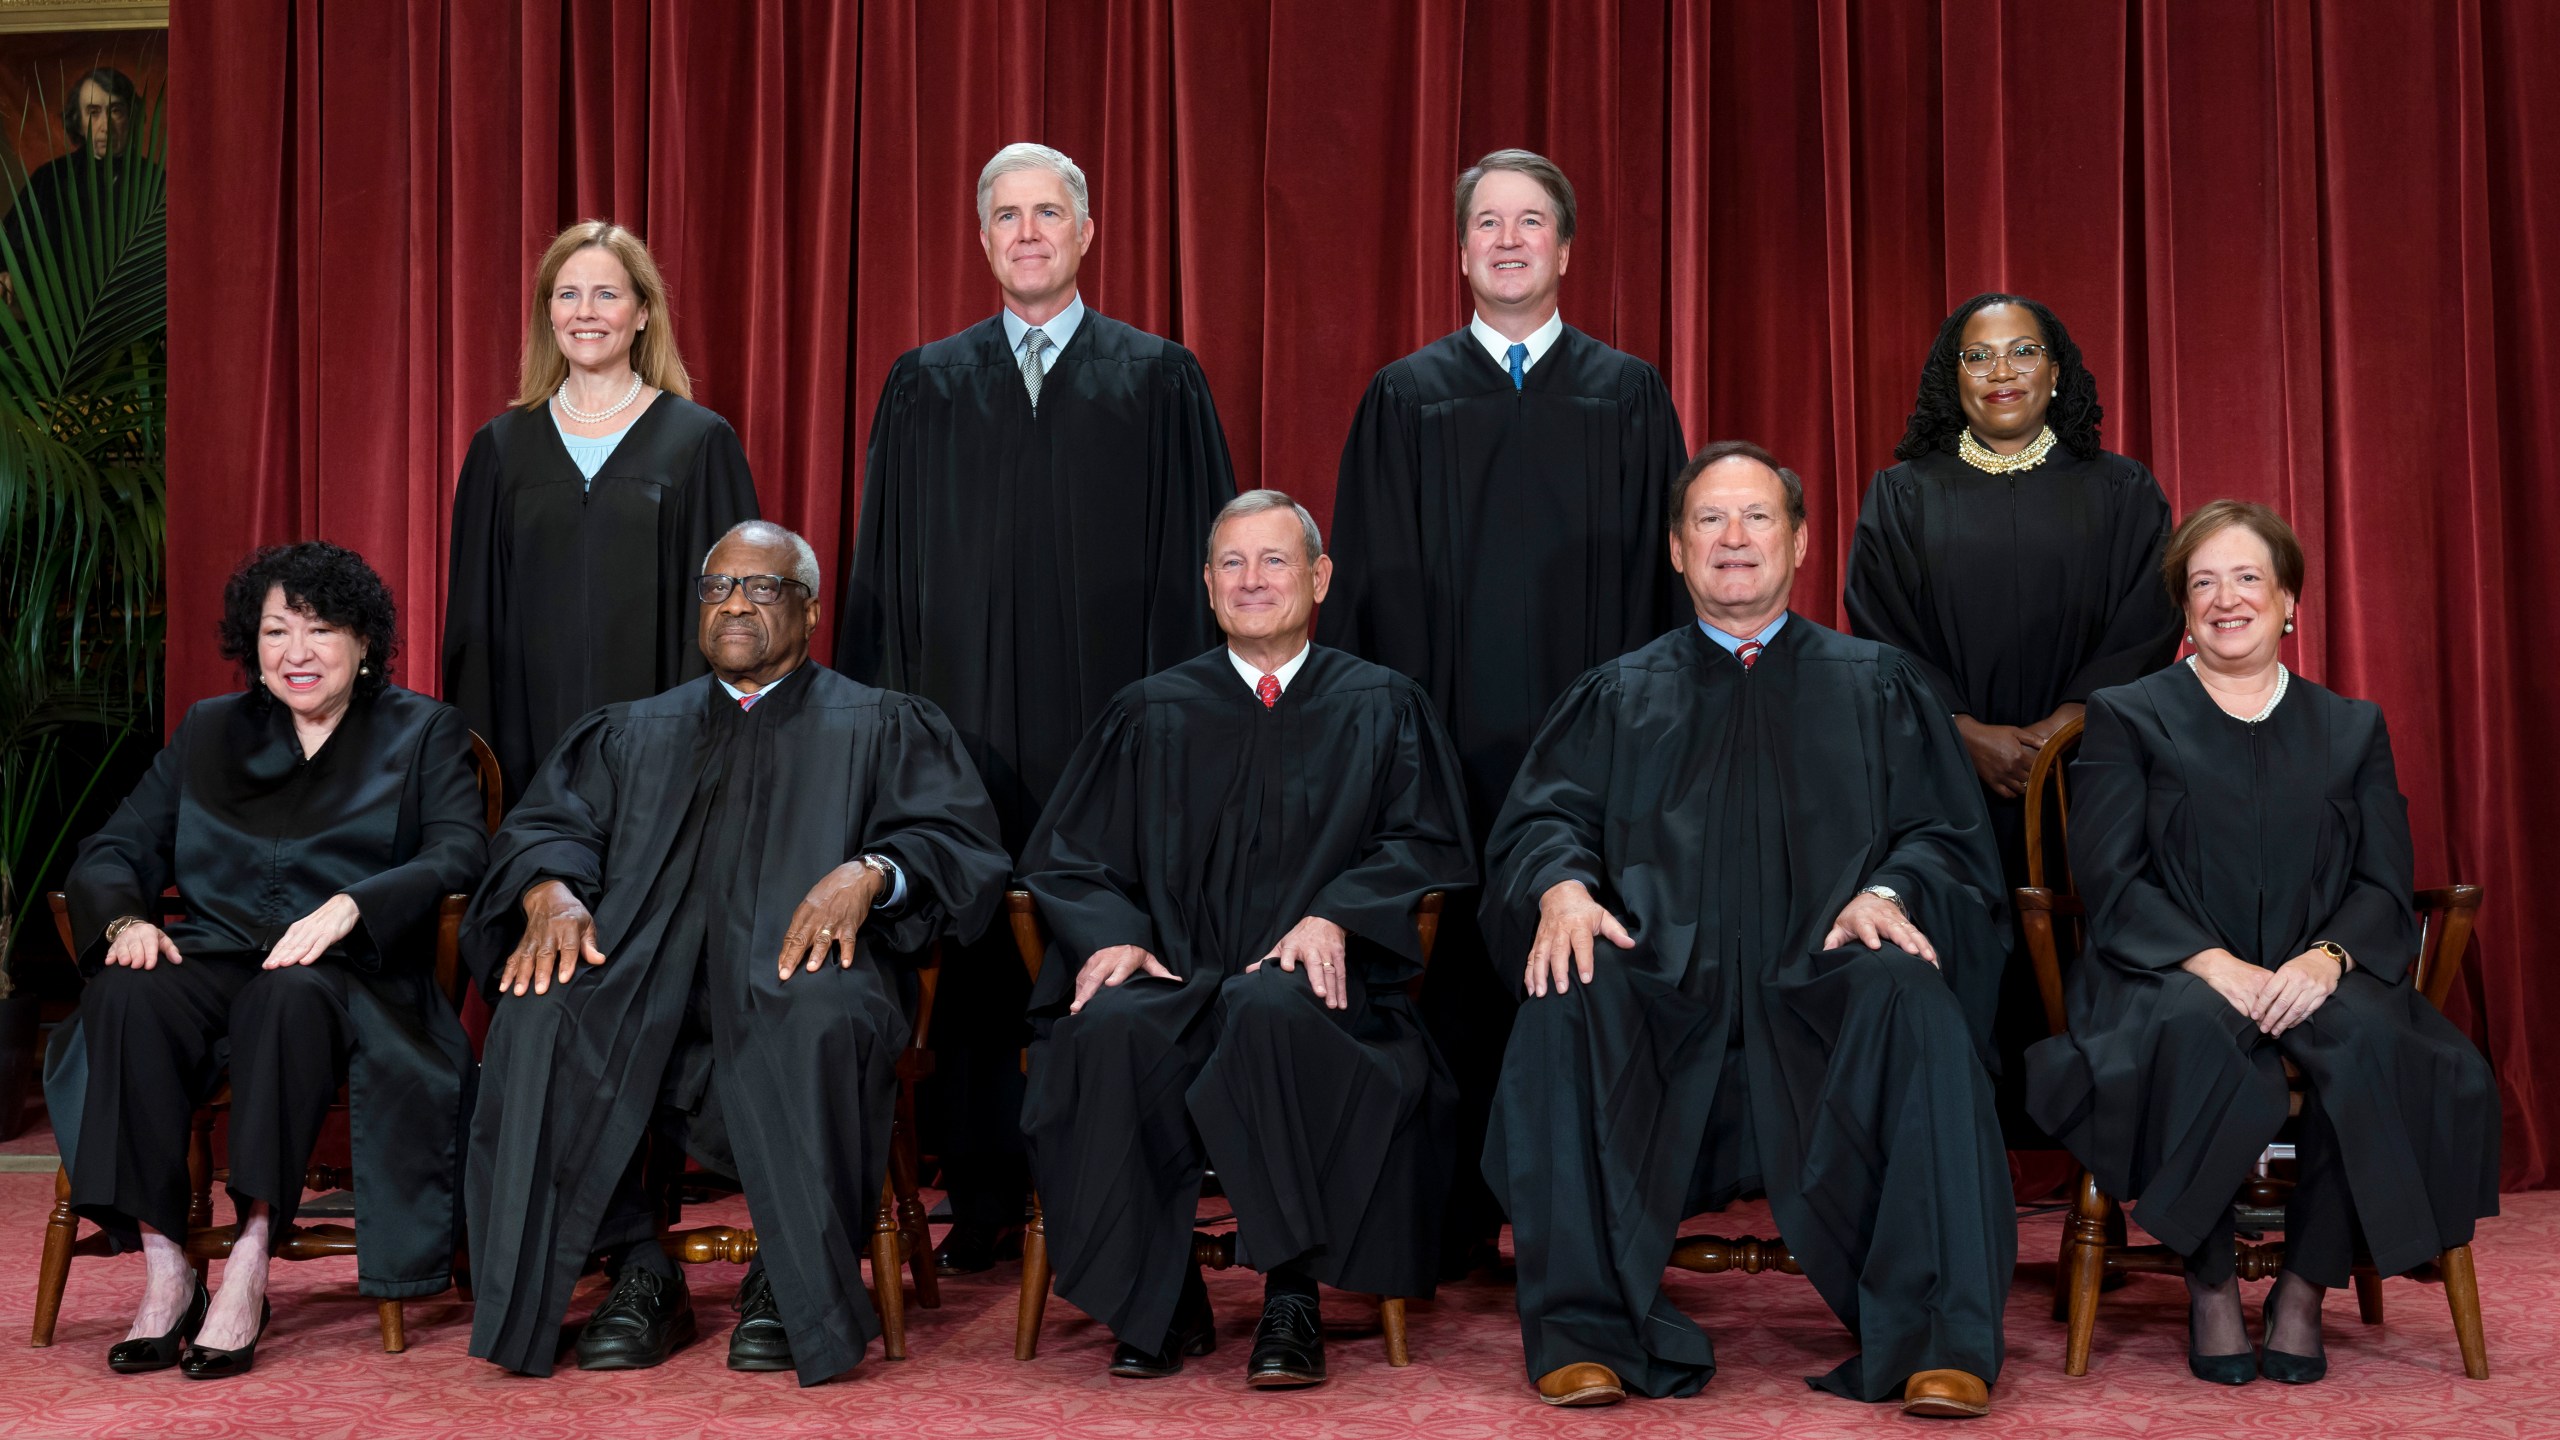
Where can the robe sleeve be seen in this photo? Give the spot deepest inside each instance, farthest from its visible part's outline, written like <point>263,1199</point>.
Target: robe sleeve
<point>930,813</point>
<point>1553,822</point>
<point>1939,854</point>
<point>719,493</point>
<point>1658,452</point>
<point>398,906</point>
<point>870,619</point>
<point>1194,480</point>
<point>1885,580</point>
<point>122,868</point>
<point>556,832</point>
<point>2374,919</point>
<point>2142,627</point>
<point>1418,842</point>
<point>475,604</point>
<point>1379,607</point>
<point>2133,921</point>
<point>1083,863</point>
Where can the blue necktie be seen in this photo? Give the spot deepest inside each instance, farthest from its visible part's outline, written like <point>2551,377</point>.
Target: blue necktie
<point>1519,374</point>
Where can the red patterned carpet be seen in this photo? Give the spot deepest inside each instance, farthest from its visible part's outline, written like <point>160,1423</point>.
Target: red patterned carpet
<point>320,1373</point>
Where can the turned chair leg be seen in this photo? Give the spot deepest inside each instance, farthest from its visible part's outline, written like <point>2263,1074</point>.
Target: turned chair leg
<point>2369,1296</point>
<point>61,1229</point>
<point>1391,1320</point>
<point>888,1291</point>
<point>1035,1284</point>
<point>912,1224</point>
<point>2084,1271</point>
<point>2462,1293</point>
<point>395,1327</point>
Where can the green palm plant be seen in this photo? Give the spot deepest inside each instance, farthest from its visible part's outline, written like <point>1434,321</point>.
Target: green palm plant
<point>83,406</point>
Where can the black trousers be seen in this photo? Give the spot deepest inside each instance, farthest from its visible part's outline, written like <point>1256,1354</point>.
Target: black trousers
<point>159,1043</point>
<point>2320,1236</point>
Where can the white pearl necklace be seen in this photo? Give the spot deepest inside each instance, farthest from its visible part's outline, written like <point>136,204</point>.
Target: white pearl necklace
<point>1991,462</point>
<point>2282,675</point>
<point>597,417</point>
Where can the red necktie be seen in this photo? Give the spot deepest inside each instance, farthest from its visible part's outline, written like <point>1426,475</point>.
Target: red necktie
<point>1268,687</point>
<point>748,701</point>
<point>1749,650</point>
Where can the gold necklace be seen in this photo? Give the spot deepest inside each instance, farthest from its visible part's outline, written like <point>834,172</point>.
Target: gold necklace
<point>1990,462</point>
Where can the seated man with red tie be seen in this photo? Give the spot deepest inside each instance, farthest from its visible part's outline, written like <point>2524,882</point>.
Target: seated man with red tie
<point>1230,871</point>
<point>1748,887</point>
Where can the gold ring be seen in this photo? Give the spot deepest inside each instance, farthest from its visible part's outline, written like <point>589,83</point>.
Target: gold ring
<point>823,930</point>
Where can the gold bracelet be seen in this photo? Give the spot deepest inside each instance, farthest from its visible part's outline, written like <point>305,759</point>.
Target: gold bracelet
<point>116,927</point>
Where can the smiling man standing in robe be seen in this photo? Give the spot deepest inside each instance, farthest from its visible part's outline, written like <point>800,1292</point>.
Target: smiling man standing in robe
<point>1749,889</point>
<point>1497,524</point>
<point>1033,493</point>
<point>693,913</point>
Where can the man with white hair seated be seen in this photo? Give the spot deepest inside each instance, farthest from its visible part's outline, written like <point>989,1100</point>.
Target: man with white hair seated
<point>692,921</point>
<point>1033,493</point>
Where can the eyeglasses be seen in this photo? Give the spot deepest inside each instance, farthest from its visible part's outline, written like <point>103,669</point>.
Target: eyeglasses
<point>761,589</point>
<point>2025,358</point>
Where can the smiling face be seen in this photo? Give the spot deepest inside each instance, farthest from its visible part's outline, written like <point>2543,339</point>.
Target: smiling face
<point>596,313</point>
<point>1260,583</point>
<point>1510,253</point>
<point>1735,547</point>
<point>2236,609</point>
<point>743,640</point>
<point>1032,239</point>
<point>2009,403</point>
<point>305,661</point>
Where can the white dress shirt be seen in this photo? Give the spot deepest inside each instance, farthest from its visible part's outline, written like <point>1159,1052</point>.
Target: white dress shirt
<point>1287,672</point>
<point>1498,345</point>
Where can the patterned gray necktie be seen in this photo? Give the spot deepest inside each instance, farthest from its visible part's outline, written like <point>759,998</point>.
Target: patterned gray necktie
<point>1033,342</point>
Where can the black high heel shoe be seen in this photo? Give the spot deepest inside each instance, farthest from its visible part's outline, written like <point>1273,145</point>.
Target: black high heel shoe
<point>2237,1369</point>
<point>147,1353</point>
<point>2280,1365</point>
<point>203,1362</point>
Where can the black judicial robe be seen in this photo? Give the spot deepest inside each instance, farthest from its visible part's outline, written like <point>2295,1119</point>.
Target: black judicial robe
<point>255,837</point>
<point>1018,568</point>
<point>563,597</point>
<point>2015,594</point>
<point>1202,826</point>
<point>1494,544</point>
<point>693,829</point>
<point>2192,829</point>
<point>1726,817</point>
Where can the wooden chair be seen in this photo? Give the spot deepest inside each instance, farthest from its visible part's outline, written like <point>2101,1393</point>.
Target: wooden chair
<point>2094,1248</point>
<point>899,1231</point>
<point>1217,1250</point>
<point>207,1242</point>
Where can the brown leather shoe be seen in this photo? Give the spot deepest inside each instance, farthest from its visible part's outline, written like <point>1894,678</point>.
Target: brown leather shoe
<point>1587,1383</point>
<point>1946,1395</point>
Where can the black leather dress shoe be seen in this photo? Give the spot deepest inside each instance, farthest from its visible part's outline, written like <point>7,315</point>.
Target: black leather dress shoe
<point>203,1362</point>
<point>1194,1332</point>
<point>759,1342</point>
<point>1288,1347</point>
<point>645,1320</point>
<point>144,1354</point>
<point>972,1249</point>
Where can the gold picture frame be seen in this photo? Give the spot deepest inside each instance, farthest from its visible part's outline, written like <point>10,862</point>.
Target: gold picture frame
<point>30,17</point>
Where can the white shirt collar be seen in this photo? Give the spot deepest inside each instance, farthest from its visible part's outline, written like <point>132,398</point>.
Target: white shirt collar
<point>1498,345</point>
<point>737,694</point>
<point>1287,672</point>
<point>1060,329</point>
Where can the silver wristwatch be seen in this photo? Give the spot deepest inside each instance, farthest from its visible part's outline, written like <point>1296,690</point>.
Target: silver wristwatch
<point>879,865</point>
<point>1886,894</point>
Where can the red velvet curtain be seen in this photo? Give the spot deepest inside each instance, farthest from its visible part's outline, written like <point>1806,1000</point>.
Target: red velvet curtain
<point>2301,245</point>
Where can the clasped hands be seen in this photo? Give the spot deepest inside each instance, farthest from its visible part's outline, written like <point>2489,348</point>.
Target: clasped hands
<point>559,932</point>
<point>143,945</point>
<point>1570,921</point>
<point>2277,999</point>
<point>2004,755</point>
<point>1315,943</point>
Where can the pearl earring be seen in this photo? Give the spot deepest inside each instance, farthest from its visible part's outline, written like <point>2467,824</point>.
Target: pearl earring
<point>364,669</point>
<point>2288,627</point>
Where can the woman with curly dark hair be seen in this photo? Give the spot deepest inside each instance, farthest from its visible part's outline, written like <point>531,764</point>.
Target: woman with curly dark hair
<point>2013,559</point>
<point>311,824</point>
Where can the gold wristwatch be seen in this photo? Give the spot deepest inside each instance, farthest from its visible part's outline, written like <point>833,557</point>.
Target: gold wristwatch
<point>2337,952</point>
<point>116,927</point>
